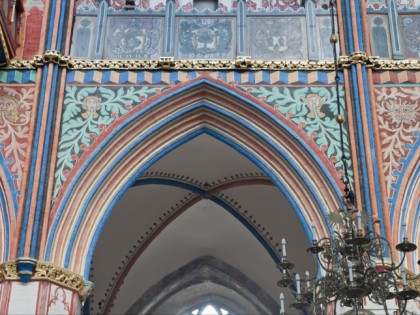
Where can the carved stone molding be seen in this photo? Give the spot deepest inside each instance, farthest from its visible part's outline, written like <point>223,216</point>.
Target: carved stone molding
<point>58,275</point>
<point>413,280</point>
<point>8,271</point>
<point>45,271</point>
<point>240,63</point>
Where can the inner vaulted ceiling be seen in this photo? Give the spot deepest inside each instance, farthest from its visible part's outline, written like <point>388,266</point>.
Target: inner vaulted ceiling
<point>204,200</point>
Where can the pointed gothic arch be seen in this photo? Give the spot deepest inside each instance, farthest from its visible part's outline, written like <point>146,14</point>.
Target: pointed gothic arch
<point>151,131</point>
<point>204,269</point>
<point>408,201</point>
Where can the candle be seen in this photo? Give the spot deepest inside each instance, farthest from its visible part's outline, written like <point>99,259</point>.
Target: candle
<point>359,220</point>
<point>308,284</point>
<point>404,227</point>
<point>283,247</point>
<point>313,227</point>
<point>314,295</point>
<point>281,303</point>
<point>297,283</point>
<point>350,271</point>
<point>404,276</point>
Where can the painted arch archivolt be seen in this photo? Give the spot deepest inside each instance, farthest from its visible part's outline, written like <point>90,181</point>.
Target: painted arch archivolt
<point>124,150</point>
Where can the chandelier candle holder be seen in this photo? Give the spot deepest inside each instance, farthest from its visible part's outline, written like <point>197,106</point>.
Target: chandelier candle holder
<point>357,264</point>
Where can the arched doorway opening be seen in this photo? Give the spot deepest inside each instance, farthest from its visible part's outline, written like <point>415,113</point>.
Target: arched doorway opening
<point>260,152</point>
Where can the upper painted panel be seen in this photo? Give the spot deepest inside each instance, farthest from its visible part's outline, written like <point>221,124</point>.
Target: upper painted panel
<point>394,26</point>
<point>401,4</point>
<point>202,29</point>
<point>198,5</point>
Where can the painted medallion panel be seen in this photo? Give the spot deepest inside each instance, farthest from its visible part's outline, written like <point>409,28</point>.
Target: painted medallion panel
<point>133,37</point>
<point>411,32</point>
<point>324,32</point>
<point>278,38</point>
<point>83,34</point>
<point>205,38</point>
<point>379,36</point>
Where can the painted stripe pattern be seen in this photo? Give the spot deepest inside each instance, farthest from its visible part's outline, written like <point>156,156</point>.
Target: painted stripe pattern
<point>156,77</point>
<point>18,76</point>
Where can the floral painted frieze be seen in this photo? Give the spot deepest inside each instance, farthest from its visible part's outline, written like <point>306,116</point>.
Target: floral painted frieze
<point>313,110</point>
<point>88,111</point>
<point>399,122</point>
<point>15,114</point>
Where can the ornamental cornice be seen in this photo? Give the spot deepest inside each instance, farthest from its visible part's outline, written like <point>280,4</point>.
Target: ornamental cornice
<point>8,271</point>
<point>413,280</point>
<point>240,63</point>
<point>45,271</point>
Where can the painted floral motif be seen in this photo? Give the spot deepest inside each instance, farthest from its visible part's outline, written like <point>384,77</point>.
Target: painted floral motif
<point>58,303</point>
<point>15,112</point>
<point>87,113</point>
<point>249,4</point>
<point>399,119</point>
<point>8,109</point>
<point>86,5</point>
<point>402,4</point>
<point>314,103</point>
<point>412,4</point>
<point>376,4</point>
<point>313,109</point>
<point>160,6</point>
<point>34,3</point>
<point>285,4</point>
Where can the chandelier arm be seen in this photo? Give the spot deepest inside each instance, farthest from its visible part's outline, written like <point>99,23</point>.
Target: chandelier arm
<point>395,285</point>
<point>316,263</point>
<point>321,262</point>
<point>398,266</point>
<point>385,308</point>
<point>382,298</point>
<point>379,239</point>
<point>402,311</point>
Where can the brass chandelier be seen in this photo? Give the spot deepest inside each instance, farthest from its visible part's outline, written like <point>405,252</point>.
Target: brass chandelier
<point>356,263</point>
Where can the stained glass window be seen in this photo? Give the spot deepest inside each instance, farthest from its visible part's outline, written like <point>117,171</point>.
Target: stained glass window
<point>209,309</point>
